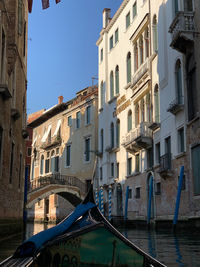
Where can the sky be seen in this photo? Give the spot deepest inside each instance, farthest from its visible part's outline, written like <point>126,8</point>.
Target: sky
<point>62,51</point>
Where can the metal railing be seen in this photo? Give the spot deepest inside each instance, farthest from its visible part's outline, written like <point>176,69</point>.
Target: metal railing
<point>56,178</point>
<point>183,22</point>
<point>165,162</point>
<point>142,130</point>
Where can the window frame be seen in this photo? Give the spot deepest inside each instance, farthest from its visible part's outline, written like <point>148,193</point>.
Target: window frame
<point>68,155</point>
<point>128,20</point>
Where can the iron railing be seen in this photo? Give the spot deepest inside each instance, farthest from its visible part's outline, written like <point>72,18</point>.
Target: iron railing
<point>56,178</point>
<point>165,162</point>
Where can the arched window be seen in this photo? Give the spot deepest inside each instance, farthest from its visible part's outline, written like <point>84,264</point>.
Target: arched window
<point>117,133</point>
<point>142,110</point>
<point>141,50</point>
<point>156,104</point>
<point>155,34</point>
<point>52,161</point>
<point>135,57</point>
<point>148,106</point>
<point>112,135</point>
<point>129,120</point>
<point>178,82</point>
<point>111,85</point>
<point>117,80</point>
<point>146,36</point>
<point>137,115</point>
<point>128,67</point>
<point>42,165</point>
<point>101,141</point>
<point>102,94</point>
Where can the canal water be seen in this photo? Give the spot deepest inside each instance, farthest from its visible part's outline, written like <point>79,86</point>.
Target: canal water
<point>182,249</point>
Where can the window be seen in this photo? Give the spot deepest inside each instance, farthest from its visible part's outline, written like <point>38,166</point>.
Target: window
<point>196,169</point>
<point>112,135</point>
<point>129,121</point>
<point>188,6</point>
<point>3,51</point>
<point>155,34</point>
<point>69,121</point>
<point>128,67</point>
<point>111,42</point>
<point>134,9</point>
<point>181,145</point>
<point>148,106</point>
<point>142,107</point>
<point>149,158</point>
<point>129,193</point>
<point>47,165</point>
<point>183,182</point>
<point>101,173</point>
<point>117,132</point>
<point>112,169</point>
<point>156,104</point>
<point>129,166</point>
<point>1,147</point>
<point>20,22</point>
<point>56,165</point>
<point>176,8</point>
<point>87,149</point>
<point>117,80</point>
<point>137,163</point>
<point>116,36</point>
<point>78,119</point>
<point>11,162</point>
<point>68,155</point>
<point>29,151</point>
<point>178,82</point>
<point>158,188</point>
<point>101,141</point>
<point>146,36</point>
<point>168,153</point>
<point>137,192</point>
<point>128,20</point>
<point>135,57</point>
<point>117,170</point>
<point>53,161</point>
<point>101,54</point>
<point>141,50</point>
<point>158,153</point>
<point>88,115</point>
<point>42,165</point>
<point>137,115</point>
<point>111,85</point>
<point>102,94</point>
<point>20,170</point>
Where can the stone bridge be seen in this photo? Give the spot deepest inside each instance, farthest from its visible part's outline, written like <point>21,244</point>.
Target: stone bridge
<point>69,187</point>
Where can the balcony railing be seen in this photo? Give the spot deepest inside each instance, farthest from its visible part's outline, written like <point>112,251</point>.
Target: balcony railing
<point>182,29</point>
<point>56,178</point>
<point>138,138</point>
<point>52,142</point>
<point>165,165</point>
<point>144,68</point>
<point>176,105</point>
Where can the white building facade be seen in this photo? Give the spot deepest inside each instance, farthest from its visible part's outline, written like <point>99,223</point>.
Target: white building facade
<point>141,111</point>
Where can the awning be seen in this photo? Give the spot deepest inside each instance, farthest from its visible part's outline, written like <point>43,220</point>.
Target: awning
<point>57,127</point>
<point>46,134</point>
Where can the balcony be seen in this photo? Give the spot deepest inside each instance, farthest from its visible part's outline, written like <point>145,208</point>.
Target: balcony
<point>141,74</point>
<point>138,138</point>
<point>4,91</point>
<point>52,142</point>
<point>176,105</point>
<point>182,30</point>
<point>165,166</point>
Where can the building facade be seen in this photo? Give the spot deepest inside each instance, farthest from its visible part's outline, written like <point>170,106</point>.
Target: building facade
<point>142,112</point>
<point>13,85</point>
<point>64,139</point>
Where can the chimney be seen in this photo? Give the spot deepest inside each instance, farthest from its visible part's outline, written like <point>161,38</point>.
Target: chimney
<point>106,17</point>
<point>60,99</point>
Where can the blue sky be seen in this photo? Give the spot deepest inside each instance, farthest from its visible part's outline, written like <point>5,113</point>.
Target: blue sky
<point>62,51</point>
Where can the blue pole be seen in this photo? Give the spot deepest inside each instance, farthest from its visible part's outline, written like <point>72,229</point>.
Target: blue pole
<point>149,201</point>
<point>178,195</point>
<point>25,195</point>
<point>101,201</point>
<point>109,203</point>
<point>96,197</point>
<point>126,204</point>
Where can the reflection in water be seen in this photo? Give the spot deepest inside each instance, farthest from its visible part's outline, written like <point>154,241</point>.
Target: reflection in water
<point>179,250</point>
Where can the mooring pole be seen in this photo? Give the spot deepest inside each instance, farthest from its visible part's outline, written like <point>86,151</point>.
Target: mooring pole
<point>126,204</point>
<point>149,201</point>
<point>180,182</point>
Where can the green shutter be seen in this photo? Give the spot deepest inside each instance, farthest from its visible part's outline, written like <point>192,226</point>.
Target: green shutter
<point>129,121</point>
<point>111,86</point>
<point>117,81</point>
<point>129,69</point>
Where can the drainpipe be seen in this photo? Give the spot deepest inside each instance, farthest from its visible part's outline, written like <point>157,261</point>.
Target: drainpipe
<point>180,182</point>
